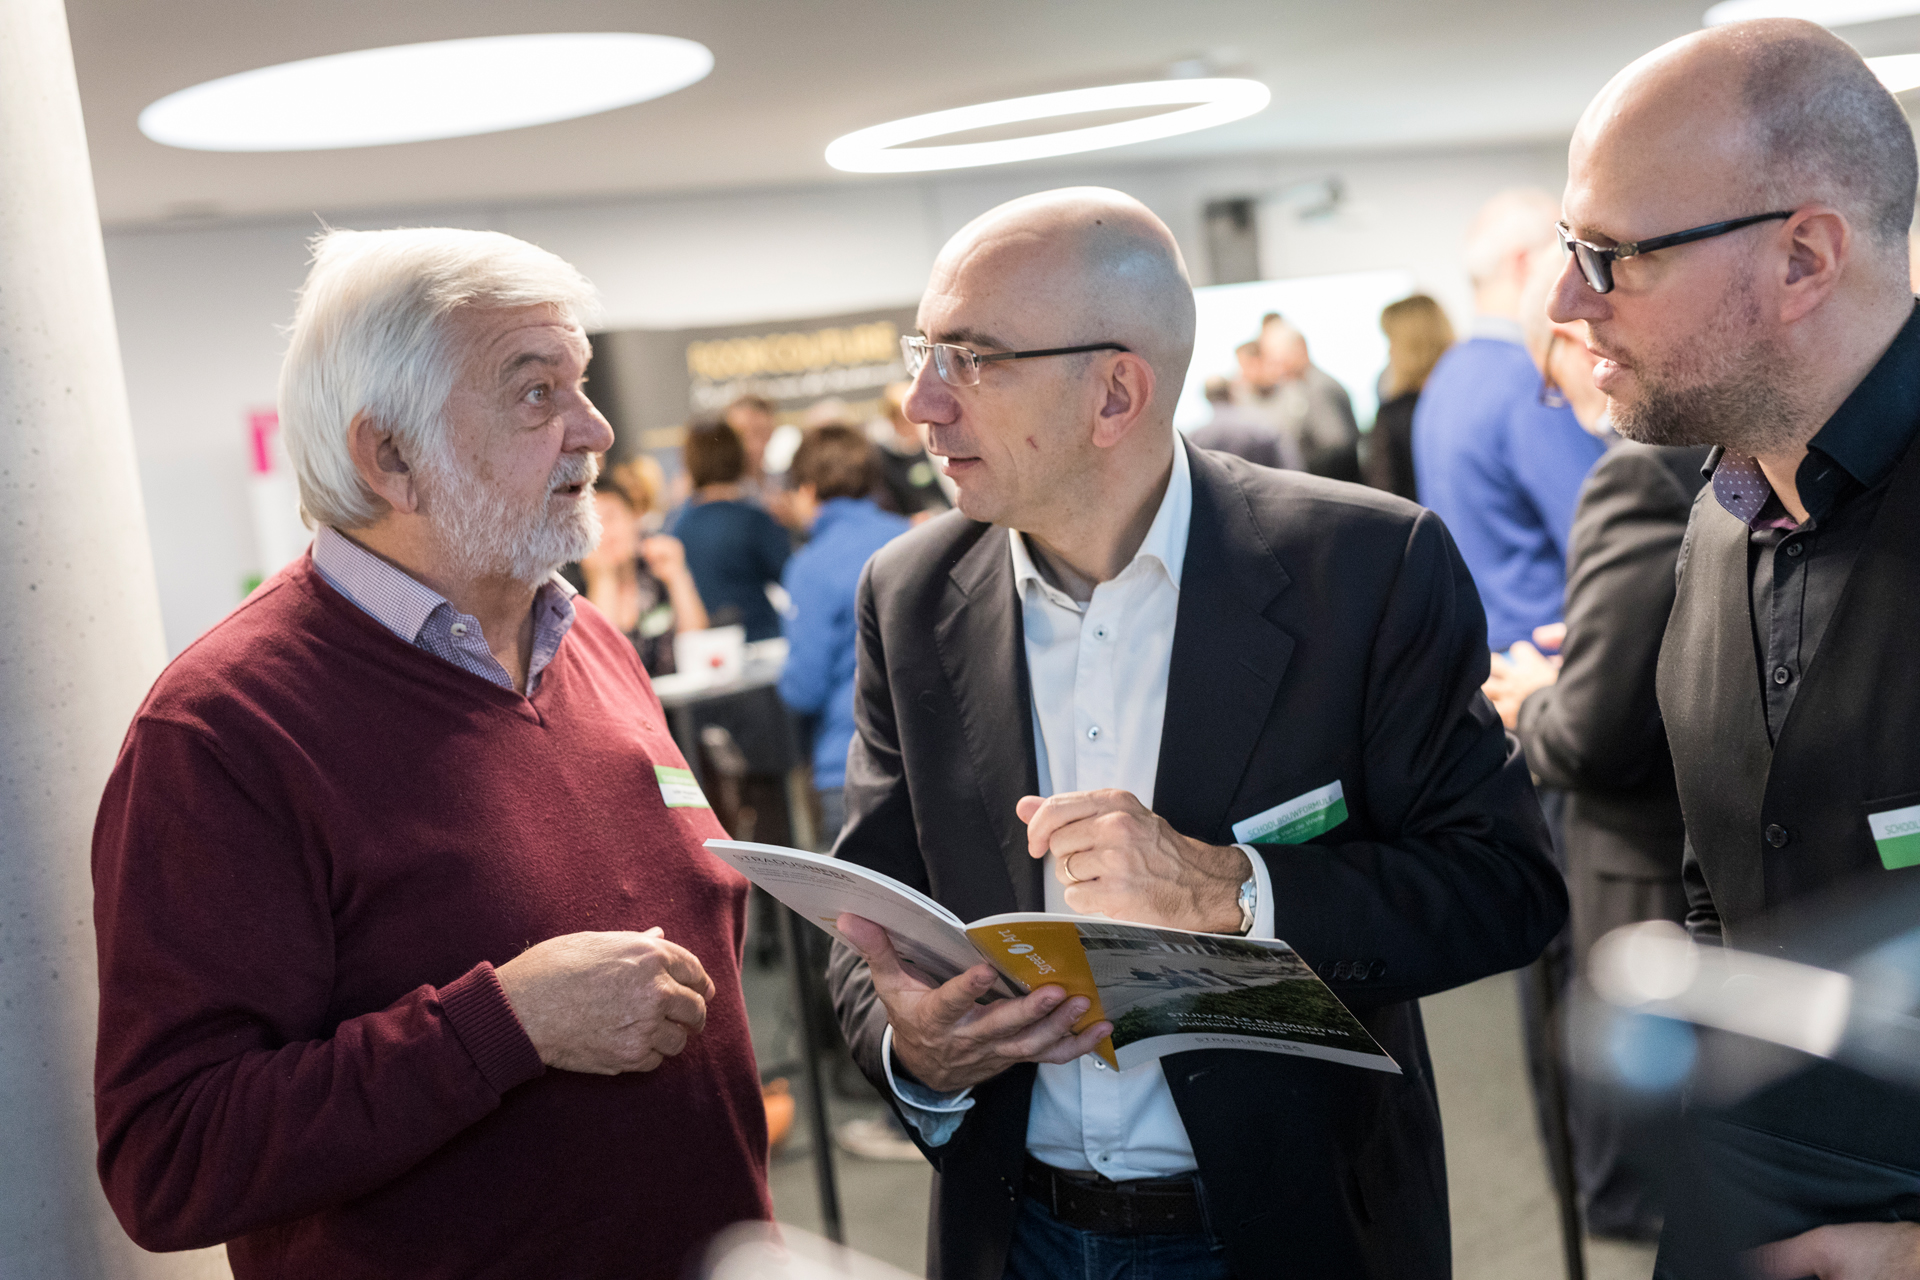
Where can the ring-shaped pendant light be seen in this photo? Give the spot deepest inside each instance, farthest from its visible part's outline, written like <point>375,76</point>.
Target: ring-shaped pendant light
<point>1205,103</point>
<point>1828,13</point>
<point>422,92</point>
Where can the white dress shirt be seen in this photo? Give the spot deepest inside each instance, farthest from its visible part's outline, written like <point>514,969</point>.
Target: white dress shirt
<point>1098,672</point>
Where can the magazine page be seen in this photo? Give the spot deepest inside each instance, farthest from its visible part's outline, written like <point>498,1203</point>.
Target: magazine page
<point>929,939</point>
<point>1169,991</point>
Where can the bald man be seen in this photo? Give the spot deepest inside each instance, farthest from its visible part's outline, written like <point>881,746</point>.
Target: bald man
<point>1501,466</point>
<point>1307,404</point>
<point>1077,693</point>
<point>1738,204</point>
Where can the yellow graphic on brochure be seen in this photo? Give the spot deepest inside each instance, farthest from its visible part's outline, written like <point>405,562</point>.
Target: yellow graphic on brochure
<point>1047,952</point>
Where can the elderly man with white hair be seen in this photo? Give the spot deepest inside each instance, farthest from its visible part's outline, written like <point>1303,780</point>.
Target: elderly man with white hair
<point>411,961</point>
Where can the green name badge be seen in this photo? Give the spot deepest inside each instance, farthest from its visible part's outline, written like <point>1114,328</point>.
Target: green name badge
<point>1296,821</point>
<point>678,788</point>
<point>1897,833</point>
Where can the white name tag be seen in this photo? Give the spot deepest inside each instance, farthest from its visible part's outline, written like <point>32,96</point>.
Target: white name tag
<point>678,788</point>
<point>1897,835</point>
<point>1297,820</point>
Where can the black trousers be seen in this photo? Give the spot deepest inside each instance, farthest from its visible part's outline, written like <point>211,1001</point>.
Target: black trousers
<point>1616,1198</point>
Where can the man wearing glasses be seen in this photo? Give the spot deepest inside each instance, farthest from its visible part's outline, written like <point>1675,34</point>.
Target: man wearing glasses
<point>1083,692</point>
<point>1737,212</point>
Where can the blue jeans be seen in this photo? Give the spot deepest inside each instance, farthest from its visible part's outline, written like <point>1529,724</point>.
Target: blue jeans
<point>1045,1248</point>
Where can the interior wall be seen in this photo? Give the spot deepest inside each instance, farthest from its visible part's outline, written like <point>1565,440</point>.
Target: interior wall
<point>200,309</point>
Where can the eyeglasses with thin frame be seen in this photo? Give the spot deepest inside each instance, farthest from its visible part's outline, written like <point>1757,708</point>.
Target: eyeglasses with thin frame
<point>1596,261</point>
<point>959,366</point>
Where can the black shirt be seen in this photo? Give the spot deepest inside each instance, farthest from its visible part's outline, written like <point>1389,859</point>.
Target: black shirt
<point>1797,572</point>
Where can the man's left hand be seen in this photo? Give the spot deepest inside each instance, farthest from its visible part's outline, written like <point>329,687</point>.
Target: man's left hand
<point>1120,860</point>
<point>1846,1251</point>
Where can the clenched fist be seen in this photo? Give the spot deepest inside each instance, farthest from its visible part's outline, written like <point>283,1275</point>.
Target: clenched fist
<point>607,1003</point>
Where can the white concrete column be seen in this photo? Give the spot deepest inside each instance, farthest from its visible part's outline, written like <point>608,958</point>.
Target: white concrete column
<point>80,641</point>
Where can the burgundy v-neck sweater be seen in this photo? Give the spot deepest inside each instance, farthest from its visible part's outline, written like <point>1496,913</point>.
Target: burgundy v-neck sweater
<point>317,843</point>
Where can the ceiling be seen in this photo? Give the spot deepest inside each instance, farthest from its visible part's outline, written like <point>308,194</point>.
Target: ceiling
<point>791,75</point>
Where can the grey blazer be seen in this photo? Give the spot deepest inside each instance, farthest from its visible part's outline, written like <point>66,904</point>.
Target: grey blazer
<point>1597,732</point>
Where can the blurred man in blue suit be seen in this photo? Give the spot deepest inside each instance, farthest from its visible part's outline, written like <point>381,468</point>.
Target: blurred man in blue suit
<point>1495,461</point>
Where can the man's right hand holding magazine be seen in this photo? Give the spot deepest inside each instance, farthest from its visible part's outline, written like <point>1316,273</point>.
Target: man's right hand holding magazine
<point>948,1040</point>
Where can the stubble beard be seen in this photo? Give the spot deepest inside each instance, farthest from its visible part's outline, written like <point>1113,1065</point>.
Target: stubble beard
<point>1732,385</point>
<point>485,534</point>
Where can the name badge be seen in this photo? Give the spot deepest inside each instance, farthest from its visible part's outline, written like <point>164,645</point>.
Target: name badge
<point>1301,819</point>
<point>1897,834</point>
<point>678,788</point>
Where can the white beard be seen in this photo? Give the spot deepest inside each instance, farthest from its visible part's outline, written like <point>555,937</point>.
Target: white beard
<point>484,535</point>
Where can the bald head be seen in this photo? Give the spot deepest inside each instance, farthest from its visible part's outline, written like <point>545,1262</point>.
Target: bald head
<point>1771,114</point>
<point>1285,349</point>
<point>1512,223</point>
<point>1751,336</point>
<point>1079,265</point>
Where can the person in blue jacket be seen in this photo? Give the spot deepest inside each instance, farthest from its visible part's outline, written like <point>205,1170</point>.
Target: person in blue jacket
<point>1497,460</point>
<point>734,548</point>
<point>832,473</point>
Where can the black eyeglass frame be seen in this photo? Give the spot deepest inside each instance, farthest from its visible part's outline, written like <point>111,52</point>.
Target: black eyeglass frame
<point>932,349</point>
<point>1596,261</point>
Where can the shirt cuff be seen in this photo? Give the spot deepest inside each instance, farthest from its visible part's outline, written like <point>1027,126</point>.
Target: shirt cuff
<point>936,1115</point>
<point>1262,894</point>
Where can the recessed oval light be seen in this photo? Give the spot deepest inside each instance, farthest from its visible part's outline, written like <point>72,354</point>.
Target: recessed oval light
<point>1828,13</point>
<point>420,92</point>
<point>1204,104</point>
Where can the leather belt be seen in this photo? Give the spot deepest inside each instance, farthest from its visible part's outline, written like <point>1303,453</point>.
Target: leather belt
<point>1089,1202</point>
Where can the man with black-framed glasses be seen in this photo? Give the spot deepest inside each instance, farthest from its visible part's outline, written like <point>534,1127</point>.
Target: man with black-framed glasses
<point>1134,678</point>
<point>1736,222</point>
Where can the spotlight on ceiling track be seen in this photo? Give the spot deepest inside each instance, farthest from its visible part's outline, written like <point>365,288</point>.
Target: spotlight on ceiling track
<point>1203,104</point>
<point>421,92</point>
<point>1828,13</point>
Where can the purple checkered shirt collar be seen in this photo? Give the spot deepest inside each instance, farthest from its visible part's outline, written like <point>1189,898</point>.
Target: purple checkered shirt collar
<point>1742,489</point>
<point>427,620</point>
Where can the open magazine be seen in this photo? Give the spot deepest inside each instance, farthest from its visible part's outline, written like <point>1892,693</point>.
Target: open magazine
<point>1164,990</point>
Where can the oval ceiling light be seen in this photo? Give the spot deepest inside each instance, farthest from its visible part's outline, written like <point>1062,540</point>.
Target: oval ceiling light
<point>1899,72</point>
<point>1828,13</point>
<point>420,92</point>
<point>1205,103</point>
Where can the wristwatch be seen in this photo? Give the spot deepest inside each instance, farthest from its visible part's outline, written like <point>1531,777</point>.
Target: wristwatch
<point>1249,900</point>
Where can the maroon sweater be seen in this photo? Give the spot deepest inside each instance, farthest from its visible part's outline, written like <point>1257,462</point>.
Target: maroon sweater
<point>317,843</point>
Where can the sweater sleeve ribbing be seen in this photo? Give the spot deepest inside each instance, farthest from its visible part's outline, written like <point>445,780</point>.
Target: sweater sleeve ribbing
<point>228,1097</point>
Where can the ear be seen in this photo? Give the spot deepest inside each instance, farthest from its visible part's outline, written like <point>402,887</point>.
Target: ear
<point>382,468</point>
<point>1819,245</point>
<point>1126,391</point>
<point>1520,264</point>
